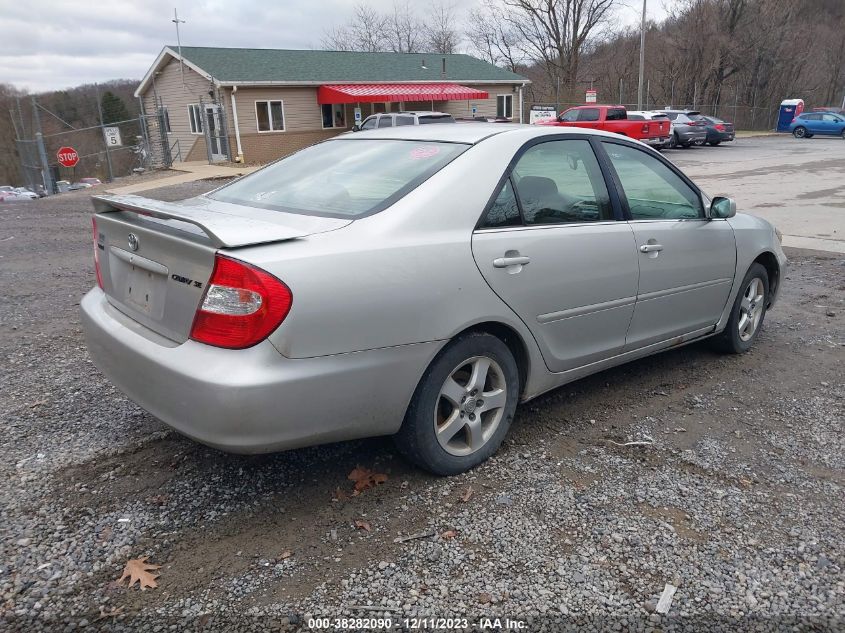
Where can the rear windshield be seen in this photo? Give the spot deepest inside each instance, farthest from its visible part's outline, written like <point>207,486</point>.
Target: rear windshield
<point>342,178</point>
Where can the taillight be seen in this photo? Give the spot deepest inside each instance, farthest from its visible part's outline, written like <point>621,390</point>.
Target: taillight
<point>720,127</point>
<point>645,128</point>
<point>97,247</point>
<point>241,306</point>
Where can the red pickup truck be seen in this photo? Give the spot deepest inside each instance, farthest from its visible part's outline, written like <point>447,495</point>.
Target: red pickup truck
<point>614,119</point>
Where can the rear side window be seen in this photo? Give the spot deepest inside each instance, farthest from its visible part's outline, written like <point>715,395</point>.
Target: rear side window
<point>404,120</point>
<point>617,114</point>
<point>442,118</point>
<point>654,191</point>
<point>343,178</point>
<point>588,114</point>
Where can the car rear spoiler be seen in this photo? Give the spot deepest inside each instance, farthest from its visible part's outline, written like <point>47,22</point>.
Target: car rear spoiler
<point>226,225</point>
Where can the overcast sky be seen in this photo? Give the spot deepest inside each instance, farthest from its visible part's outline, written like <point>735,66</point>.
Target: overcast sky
<point>49,44</point>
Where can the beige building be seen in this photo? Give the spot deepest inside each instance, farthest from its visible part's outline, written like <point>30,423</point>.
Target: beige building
<point>256,105</point>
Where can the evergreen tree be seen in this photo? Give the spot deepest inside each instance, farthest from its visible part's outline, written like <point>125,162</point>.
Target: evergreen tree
<point>114,109</point>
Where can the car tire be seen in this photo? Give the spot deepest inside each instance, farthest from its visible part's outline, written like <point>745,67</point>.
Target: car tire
<point>686,145</point>
<point>800,132</point>
<point>747,314</point>
<point>437,432</point>
<point>714,143</point>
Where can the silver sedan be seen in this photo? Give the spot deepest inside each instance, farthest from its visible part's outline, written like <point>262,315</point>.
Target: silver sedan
<point>416,282</point>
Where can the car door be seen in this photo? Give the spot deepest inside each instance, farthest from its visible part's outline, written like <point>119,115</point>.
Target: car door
<point>553,246</point>
<point>813,123</point>
<point>831,124</point>
<point>686,261</point>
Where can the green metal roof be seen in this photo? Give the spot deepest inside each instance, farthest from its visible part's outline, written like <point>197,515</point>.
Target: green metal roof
<point>263,65</point>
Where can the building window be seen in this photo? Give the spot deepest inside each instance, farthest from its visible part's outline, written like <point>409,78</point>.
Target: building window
<point>270,116</point>
<point>195,118</point>
<point>333,115</point>
<point>504,106</point>
<point>166,120</point>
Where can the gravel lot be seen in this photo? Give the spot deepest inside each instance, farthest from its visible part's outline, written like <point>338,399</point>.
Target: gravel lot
<point>738,500</point>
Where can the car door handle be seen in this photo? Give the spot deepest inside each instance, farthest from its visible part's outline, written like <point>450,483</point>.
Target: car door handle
<point>504,262</point>
<point>651,248</point>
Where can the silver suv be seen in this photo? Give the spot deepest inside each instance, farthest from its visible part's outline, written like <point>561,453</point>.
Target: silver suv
<point>393,119</point>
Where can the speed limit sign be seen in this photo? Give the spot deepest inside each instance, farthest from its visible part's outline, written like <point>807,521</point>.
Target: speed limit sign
<point>112,135</point>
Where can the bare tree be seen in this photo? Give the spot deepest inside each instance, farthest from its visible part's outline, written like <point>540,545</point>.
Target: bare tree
<point>493,38</point>
<point>441,35</point>
<point>402,31</point>
<point>366,31</point>
<point>555,33</point>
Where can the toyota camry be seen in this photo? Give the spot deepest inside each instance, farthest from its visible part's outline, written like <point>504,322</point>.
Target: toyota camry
<point>418,282</point>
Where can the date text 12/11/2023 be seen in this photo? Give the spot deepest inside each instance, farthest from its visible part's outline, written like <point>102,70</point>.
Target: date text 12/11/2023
<point>446,624</point>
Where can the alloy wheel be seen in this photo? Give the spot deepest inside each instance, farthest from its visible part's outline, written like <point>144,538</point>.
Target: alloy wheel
<point>751,309</point>
<point>470,405</point>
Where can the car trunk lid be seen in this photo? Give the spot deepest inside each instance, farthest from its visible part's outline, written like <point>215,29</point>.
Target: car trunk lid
<point>157,257</point>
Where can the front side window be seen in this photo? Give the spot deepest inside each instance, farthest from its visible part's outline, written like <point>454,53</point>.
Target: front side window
<point>569,116</point>
<point>344,178</point>
<point>385,121</point>
<point>832,118</point>
<point>195,118</point>
<point>654,191</point>
<point>369,123</point>
<point>504,106</point>
<point>270,116</point>
<point>333,115</point>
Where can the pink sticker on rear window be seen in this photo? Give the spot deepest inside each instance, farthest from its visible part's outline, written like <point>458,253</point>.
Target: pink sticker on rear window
<point>424,151</point>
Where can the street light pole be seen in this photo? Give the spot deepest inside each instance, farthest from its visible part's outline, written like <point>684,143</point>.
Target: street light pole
<point>642,61</point>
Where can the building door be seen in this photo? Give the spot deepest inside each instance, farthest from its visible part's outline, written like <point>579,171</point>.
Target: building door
<point>214,133</point>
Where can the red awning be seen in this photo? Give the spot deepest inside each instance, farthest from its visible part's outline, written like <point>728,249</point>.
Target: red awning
<point>370,93</point>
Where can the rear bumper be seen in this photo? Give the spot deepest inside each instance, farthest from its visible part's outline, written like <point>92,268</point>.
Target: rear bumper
<point>253,400</point>
<point>692,136</point>
<point>658,141</point>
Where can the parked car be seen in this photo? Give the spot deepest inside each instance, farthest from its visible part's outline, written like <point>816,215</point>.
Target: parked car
<point>6,187</point>
<point>718,131</point>
<point>612,119</point>
<point>91,181</point>
<point>62,186</point>
<point>395,119</point>
<point>7,195</point>
<point>23,192</point>
<point>808,124</point>
<point>79,185</point>
<point>652,115</point>
<point>383,283</point>
<point>688,128</point>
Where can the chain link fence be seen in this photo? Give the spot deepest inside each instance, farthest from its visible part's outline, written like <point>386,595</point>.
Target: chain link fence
<point>105,151</point>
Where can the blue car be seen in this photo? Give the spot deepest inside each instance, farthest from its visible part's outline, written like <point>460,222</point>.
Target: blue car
<point>808,124</point>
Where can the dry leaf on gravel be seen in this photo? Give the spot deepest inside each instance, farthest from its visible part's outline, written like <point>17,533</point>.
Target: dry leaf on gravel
<point>485,598</point>
<point>365,478</point>
<point>467,495</point>
<point>285,554</point>
<point>362,525</point>
<point>449,534</point>
<point>138,570</point>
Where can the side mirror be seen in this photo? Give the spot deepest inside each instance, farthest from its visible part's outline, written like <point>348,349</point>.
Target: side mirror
<point>722,208</point>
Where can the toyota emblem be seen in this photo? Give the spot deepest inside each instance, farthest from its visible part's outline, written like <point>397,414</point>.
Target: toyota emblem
<point>133,242</point>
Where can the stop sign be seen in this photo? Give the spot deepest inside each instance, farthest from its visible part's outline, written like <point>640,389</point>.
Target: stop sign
<point>68,157</point>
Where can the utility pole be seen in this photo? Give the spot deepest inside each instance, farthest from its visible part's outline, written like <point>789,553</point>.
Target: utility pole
<point>642,61</point>
<point>177,22</point>
<point>102,131</point>
<point>46,177</point>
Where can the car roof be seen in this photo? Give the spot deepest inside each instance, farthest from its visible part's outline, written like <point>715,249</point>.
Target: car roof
<point>468,133</point>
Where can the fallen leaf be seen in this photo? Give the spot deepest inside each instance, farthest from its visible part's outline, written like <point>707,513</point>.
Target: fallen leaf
<point>285,554</point>
<point>159,500</point>
<point>138,570</point>
<point>365,478</point>
<point>203,620</point>
<point>467,495</point>
<point>105,534</point>
<point>362,525</point>
<point>339,495</point>
<point>111,613</point>
<point>449,534</point>
<point>485,598</point>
